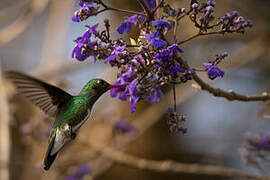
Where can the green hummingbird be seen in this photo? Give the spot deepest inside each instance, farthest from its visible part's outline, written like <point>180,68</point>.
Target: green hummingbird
<point>70,112</point>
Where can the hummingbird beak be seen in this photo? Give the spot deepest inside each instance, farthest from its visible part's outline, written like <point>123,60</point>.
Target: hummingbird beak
<point>117,86</point>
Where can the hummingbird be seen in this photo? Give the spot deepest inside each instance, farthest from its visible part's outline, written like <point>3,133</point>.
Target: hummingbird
<point>70,112</point>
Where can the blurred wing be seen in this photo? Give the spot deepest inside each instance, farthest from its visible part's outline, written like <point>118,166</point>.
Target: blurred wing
<point>47,97</point>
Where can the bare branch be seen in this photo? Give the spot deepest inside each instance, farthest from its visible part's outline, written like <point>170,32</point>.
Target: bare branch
<point>230,95</point>
<point>171,166</point>
<point>123,10</point>
<point>146,9</point>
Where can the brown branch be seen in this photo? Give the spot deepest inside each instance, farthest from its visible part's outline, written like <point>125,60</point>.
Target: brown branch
<point>172,166</point>
<point>159,3</point>
<point>230,95</point>
<point>189,39</point>
<point>122,10</point>
<point>146,9</point>
<point>202,34</point>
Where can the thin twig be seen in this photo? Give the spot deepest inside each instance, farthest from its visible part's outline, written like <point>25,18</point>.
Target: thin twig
<point>201,34</point>
<point>174,98</point>
<point>189,39</point>
<point>146,9</point>
<point>159,3</point>
<point>230,95</point>
<point>125,11</point>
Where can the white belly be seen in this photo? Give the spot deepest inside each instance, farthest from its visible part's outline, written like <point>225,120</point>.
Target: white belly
<point>63,135</point>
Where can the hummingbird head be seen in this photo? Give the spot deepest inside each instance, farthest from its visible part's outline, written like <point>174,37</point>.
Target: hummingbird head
<point>98,86</point>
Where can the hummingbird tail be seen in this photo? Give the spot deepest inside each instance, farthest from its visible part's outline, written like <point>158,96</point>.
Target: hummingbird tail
<point>49,159</point>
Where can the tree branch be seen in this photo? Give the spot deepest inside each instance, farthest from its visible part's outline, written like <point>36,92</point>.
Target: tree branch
<point>229,95</point>
<point>122,10</point>
<point>171,166</point>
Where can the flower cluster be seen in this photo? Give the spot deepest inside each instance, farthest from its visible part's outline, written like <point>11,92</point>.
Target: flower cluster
<point>211,67</point>
<point>202,15</point>
<point>85,46</point>
<point>147,63</point>
<point>175,121</point>
<point>232,22</point>
<point>87,9</point>
<point>212,70</point>
<point>144,68</point>
<point>256,150</point>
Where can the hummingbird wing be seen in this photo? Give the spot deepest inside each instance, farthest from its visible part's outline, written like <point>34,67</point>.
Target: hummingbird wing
<point>47,97</point>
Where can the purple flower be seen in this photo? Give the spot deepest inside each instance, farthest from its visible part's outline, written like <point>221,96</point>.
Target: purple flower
<point>247,24</point>
<point>264,141</point>
<point>195,7</point>
<point>168,52</point>
<point>209,10</point>
<point>134,94</point>
<point>173,69</point>
<point>119,91</point>
<point>87,9</point>
<point>85,47</point>
<point>161,23</point>
<point>212,70</point>
<point>166,65</point>
<point>127,75</point>
<point>211,3</point>
<point>154,95</point>
<point>80,50</point>
<point>127,24</point>
<point>234,14</point>
<point>163,55</point>
<point>124,79</point>
<point>138,60</point>
<point>91,30</point>
<point>174,49</point>
<point>239,20</point>
<point>130,91</point>
<point>118,51</point>
<point>79,173</point>
<point>154,40</point>
<point>255,149</point>
<point>175,121</point>
<point>151,4</point>
<point>229,16</point>
<point>123,127</point>
<point>225,17</point>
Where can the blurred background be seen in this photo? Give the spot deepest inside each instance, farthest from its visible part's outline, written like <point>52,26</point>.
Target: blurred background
<point>36,37</point>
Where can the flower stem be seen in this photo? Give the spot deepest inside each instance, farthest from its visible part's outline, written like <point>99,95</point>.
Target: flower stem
<point>125,11</point>
<point>174,98</point>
